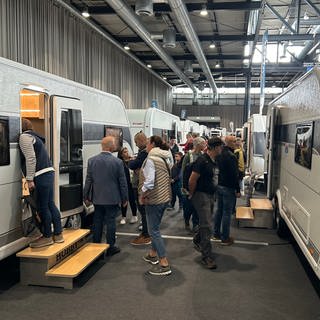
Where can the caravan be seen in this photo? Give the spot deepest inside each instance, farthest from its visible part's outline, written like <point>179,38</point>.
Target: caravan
<point>293,164</point>
<point>72,117</point>
<point>153,121</point>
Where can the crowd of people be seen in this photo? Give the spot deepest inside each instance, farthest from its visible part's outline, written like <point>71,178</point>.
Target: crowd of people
<point>207,174</point>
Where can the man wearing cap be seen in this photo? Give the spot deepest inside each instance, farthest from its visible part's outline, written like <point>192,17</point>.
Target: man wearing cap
<point>202,186</point>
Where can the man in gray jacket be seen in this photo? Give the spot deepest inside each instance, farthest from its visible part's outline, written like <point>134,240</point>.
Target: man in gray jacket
<point>106,187</point>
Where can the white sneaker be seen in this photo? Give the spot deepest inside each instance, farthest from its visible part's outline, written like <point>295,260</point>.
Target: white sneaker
<point>134,219</point>
<point>123,221</point>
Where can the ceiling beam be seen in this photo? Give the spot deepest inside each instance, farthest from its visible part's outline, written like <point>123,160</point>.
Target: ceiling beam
<point>165,8</point>
<point>149,57</point>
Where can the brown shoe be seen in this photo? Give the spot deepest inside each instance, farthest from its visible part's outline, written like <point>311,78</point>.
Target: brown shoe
<point>209,263</point>
<point>41,242</point>
<point>227,242</point>
<point>141,240</point>
<point>58,238</point>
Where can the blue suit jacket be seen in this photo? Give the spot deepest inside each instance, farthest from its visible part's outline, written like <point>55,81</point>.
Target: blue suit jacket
<point>106,181</point>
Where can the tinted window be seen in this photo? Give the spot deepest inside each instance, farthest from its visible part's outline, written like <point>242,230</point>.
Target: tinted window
<point>259,143</point>
<point>4,141</point>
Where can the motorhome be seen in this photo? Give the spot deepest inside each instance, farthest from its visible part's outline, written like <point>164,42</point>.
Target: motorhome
<point>187,127</point>
<point>153,121</point>
<point>72,117</point>
<point>293,164</point>
<point>218,132</point>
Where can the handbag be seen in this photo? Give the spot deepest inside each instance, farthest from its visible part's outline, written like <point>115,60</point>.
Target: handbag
<point>89,209</point>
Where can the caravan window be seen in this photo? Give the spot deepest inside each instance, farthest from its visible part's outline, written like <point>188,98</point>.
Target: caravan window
<point>259,143</point>
<point>4,141</point>
<point>117,133</point>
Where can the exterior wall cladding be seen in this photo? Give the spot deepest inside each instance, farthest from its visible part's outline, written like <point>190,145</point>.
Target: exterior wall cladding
<point>45,36</point>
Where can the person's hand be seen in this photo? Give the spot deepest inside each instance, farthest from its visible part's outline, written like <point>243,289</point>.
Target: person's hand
<point>172,180</point>
<point>238,194</point>
<point>31,185</point>
<point>190,196</point>
<point>87,203</point>
<point>124,203</point>
<point>141,200</point>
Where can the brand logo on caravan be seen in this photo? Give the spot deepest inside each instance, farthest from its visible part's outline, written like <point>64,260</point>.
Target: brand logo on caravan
<point>67,251</point>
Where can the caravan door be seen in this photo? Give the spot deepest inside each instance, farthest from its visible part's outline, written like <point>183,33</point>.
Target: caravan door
<point>66,146</point>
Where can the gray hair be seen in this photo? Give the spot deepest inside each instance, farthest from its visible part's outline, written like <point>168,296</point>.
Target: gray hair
<point>197,141</point>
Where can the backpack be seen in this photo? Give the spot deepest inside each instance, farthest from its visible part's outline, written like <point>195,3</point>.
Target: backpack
<point>187,172</point>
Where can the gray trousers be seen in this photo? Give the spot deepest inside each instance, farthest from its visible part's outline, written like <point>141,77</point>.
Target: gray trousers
<point>203,203</point>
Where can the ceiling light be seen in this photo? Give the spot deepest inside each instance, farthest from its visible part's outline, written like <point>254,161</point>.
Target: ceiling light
<point>212,45</point>
<point>306,17</point>
<point>164,78</point>
<point>284,51</point>
<point>221,77</point>
<point>85,13</point>
<point>204,11</point>
<point>217,65</point>
<point>126,47</point>
<point>245,61</point>
<point>149,65</point>
<point>273,85</point>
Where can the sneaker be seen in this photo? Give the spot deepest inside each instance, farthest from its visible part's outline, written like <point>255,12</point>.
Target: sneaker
<point>58,238</point>
<point>216,238</point>
<point>141,240</point>
<point>227,242</point>
<point>41,242</point>
<point>209,263</point>
<point>159,270</point>
<point>112,251</point>
<point>196,246</point>
<point>134,219</point>
<point>123,221</point>
<point>150,259</point>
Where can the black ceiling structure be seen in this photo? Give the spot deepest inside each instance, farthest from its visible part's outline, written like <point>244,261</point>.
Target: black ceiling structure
<point>223,34</point>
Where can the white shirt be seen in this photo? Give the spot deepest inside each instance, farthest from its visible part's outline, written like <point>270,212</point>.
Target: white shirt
<point>149,172</point>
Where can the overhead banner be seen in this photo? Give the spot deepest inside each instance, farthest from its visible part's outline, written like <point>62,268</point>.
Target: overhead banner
<point>263,70</point>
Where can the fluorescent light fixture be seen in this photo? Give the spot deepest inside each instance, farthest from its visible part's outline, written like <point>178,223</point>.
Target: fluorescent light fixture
<point>149,65</point>
<point>204,11</point>
<point>212,45</point>
<point>221,77</point>
<point>217,65</point>
<point>245,61</point>
<point>164,78</point>
<point>126,47</point>
<point>246,50</point>
<point>85,13</point>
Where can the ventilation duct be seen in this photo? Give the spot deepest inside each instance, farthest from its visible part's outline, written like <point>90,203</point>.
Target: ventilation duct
<point>188,70</point>
<point>144,7</point>
<point>169,38</point>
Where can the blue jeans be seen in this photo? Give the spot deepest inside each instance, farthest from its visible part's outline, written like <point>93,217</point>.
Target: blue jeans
<point>226,199</point>
<point>49,213</point>
<point>176,191</point>
<point>154,215</point>
<point>105,214</point>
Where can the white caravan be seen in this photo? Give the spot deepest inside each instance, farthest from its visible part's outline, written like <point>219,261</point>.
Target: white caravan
<point>72,117</point>
<point>255,144</point>
<point>153,121</point>
<point>293,162</point>
<point>218,132</point>
<point>189,126</point>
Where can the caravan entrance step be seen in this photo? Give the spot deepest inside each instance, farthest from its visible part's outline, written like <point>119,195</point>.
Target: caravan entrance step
<point>78,261</point>
<point>244,213</point>
<point>260,204</point>
<point>71,241</point>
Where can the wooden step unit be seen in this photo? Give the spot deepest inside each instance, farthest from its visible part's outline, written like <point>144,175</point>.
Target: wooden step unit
<point>35,263</point>
<point>260,214</point>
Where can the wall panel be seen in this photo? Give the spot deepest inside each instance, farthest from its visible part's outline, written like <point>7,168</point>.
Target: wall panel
<point>46,36</point>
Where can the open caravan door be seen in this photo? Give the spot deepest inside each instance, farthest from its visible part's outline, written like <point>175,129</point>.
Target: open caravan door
<point>66,147</point>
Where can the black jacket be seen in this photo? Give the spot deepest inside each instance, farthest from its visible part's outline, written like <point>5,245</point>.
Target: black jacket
<point>228,169</point>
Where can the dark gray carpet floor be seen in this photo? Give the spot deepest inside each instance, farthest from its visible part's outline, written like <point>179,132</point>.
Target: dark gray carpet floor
<point>266,282</point>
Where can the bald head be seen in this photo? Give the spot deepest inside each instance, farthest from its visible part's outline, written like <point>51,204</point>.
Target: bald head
<point>108,144</point>
<point>26,125</point>
<point>230,142</point>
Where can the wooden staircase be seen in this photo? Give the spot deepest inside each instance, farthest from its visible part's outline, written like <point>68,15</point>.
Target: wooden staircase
<point>58,264</point>
<point>260,214</point>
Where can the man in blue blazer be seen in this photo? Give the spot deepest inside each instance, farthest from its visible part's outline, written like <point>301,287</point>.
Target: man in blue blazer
<point>106,187</point>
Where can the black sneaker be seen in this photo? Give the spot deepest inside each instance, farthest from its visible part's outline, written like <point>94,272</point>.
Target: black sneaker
<point>159,270</point>
<point>150,259</point>
<point>209,263</point>
<point>112,251</point>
